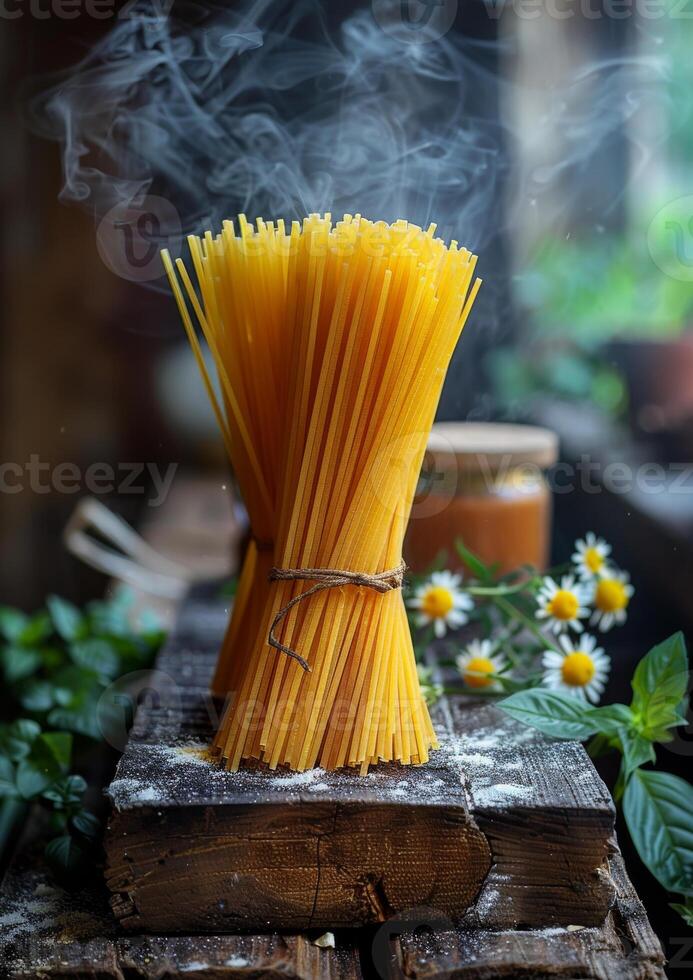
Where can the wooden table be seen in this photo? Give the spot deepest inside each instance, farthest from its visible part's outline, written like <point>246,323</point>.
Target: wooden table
<point>495,860</point>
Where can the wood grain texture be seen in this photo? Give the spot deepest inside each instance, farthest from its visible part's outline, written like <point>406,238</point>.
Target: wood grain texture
<point>623,947</point>
<point>501,829</point>
<point>46,932</point>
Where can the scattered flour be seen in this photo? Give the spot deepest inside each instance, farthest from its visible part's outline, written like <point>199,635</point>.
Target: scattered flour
<point>146,795</point>
<point>501,794</point>
<point>297,778</point>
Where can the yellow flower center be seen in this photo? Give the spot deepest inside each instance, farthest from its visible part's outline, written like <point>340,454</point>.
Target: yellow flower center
<point>610,595</point>
<point>437,602</point>
<point>474,670</point>
<point>593,560</point>
<point>577,669</point>
<point>564,605</point>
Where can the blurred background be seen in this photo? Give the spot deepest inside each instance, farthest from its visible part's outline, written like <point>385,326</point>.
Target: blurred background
<point>558,143</point>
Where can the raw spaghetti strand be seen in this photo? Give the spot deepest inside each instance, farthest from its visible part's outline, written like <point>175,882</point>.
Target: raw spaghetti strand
<point>331,343</point>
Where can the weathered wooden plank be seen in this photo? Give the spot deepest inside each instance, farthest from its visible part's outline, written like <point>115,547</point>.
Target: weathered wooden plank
<point>624,947</point>
<point>47,932</point>
<point>502,828</point>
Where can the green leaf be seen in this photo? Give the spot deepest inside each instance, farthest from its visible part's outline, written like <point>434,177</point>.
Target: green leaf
<point>659,685</point>
<point>30,780</point>
<point>16,740</point>
<point>48,759</point>
<point>66,792</point>
<point>657,807</point>
<point>67,619</point>
<point>37,628</point>
<point>81,720</point>
<point>67,860</point>
<point>472,561</point>
<point>7,781</point>
<point>552,713</point>
<point>97,655</point>
<point>612,718</point>
<point>685,910</point>
<point>37,695</point>
<point>87,824</point>
<point>19,662</point>
<point>54,749</point>
<point>12,623</point>
<point>52,657</point>
<point>637,750</point>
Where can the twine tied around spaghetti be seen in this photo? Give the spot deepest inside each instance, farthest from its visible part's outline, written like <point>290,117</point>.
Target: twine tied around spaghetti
<point>327,578</point>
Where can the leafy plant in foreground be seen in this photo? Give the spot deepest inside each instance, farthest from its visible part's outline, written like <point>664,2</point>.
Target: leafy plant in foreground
<point>56,665</point>
<point>657,806</point>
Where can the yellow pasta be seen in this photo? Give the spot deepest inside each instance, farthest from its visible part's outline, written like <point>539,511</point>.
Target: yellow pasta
<point>331,343</point>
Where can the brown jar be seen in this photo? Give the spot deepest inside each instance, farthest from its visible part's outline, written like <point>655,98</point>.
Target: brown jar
<point>484,483</point>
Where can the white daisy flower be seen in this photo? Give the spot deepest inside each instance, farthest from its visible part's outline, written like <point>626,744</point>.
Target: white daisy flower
<point>477,664</point>
<point>564,605</point>
<point>442,601</point>
<point>581,670</point>
<point>591,556</point>
<point>610,599</point>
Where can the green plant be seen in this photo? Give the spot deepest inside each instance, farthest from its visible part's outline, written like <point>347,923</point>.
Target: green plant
<point>56,665</point>
<point>536,651</point>
<point>657,806</point>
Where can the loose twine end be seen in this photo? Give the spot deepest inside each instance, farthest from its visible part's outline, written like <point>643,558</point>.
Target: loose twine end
<point>327,578</point>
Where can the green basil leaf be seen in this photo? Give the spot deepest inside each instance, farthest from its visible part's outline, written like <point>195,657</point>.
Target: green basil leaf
<point>612,718</point>
<point>657,807</point>
<point>81,720</point>
<point>37,628</point>
<point>87,824</point>
<point>659,686</point>
<point>80,681</point>
<point>637,750</point>
<point>97,655</point>
<point>67,619</point>
<point>66,792</point>
<point>37,696</point>
<point>31,781</point>
<point>12,623</point>
<point>552,713</point>
<point>16,740</point>
<point>48,760</point>
<point>685,910</point>
<point>67,860</point>
<point>53,749</point>
<point>19,662</point>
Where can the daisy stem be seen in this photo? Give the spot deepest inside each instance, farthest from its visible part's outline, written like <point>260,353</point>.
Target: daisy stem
<point>497,590</point>
<point>514,613</point>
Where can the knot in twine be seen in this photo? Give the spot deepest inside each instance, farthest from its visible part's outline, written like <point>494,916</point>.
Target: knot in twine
<point>327,578</point>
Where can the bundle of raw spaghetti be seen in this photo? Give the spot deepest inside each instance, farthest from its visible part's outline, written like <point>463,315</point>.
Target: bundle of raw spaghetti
<point>331,344</point>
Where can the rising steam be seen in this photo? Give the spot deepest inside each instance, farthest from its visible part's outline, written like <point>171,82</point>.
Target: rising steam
<point>269,113</point>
